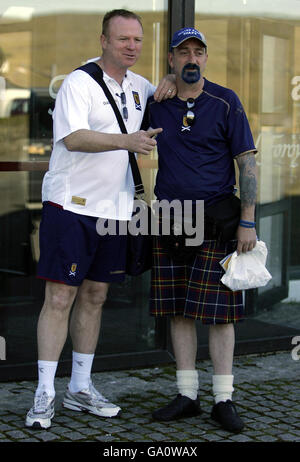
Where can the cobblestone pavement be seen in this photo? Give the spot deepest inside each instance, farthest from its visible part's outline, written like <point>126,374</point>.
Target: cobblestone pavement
<point>267,393</point>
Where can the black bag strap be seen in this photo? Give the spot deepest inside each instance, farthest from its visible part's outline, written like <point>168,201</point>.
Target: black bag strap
<point>96,73</point>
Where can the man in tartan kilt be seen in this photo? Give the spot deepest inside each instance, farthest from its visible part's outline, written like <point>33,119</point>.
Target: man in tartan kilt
<point>204,130</point>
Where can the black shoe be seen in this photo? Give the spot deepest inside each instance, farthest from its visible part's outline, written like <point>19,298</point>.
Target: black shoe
<point>180,407</point>
<point>226,414</point>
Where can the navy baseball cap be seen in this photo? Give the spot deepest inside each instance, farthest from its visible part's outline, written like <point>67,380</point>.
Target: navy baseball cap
<point>186,33</point>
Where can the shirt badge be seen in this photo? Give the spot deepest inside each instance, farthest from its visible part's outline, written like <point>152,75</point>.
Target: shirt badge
<point>137,101</point>
<point>78,200</point>
<point>73,269</point>
<point>185,126</point>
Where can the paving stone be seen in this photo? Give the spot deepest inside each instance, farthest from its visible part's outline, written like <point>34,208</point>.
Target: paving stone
<point>296,424</point>
<point>30,440</point>
<point>161,437</point>
<point>89,431</point>
<point>291,419</point>
<point>139,420</point>
<point>256,425</point>
<point>282,426</point>
<point>211,437</point>
<point>85,417</point>
<point>117,429</point>
<point>276,414</point>
<point>59,430</point>
<point>288,437</point>
<point>75,424</point>
<point>171,429</point>
<point>16,434</point>
<point>273,431</point>
<point>74,436</point>
<point>5,427</point>
<point>266,438</point>
<point>105,438</point>
<point>100,423</point>
<point>241,438</point>
<point>265,419</point>
<point>63,419</point>
<point>47,436</point>
<point>7,417</point>
<point>126,436</point>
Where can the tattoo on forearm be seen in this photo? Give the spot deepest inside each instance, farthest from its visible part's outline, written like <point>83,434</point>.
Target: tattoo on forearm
<point>248,180</point>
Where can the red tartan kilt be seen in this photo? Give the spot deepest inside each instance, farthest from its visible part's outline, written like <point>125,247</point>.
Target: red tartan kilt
<point>194,290</point>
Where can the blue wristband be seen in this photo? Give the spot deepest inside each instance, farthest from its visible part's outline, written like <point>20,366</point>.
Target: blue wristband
<point>247,224</point>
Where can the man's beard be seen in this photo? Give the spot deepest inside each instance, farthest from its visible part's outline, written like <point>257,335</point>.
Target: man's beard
<point>191,73</point>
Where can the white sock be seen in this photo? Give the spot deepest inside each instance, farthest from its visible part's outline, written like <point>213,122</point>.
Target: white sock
<point>81,371</point>
<point>187,383</point>
<point>222,387</point>
<point>47,370</point>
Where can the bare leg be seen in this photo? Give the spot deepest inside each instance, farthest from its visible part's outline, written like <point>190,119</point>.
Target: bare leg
<point>184,340</point>
<point>221,347</point>
<point>221,343</point>
<point>53,320</point>
<point>86,316</point>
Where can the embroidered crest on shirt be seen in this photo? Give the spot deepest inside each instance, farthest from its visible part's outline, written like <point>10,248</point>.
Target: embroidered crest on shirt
<point>185,126</point>
<point>137,101</point>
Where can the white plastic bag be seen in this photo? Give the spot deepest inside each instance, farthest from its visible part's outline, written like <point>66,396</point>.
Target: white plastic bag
<point>246,270</point>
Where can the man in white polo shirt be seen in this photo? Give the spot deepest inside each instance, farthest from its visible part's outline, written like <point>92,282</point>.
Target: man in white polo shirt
<point>88,170</point>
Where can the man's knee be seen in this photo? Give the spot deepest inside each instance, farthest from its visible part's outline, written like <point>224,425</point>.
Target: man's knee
<point>222,327</point>
<point>93,293</point>
<point>182,321</point>
<point>59,297</point>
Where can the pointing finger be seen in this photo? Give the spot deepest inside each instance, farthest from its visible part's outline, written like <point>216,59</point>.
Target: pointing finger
<point>153,131</point>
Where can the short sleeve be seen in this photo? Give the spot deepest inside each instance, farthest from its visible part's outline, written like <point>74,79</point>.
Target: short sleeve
<point>238,129</point>
<point>72,106</point>
<point>151,90</point>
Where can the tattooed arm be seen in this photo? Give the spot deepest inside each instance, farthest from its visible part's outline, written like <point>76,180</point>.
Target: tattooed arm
<point>248,190</point>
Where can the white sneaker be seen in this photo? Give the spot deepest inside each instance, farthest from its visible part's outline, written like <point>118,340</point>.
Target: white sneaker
<point>90,400</point>
<point>42,411</point>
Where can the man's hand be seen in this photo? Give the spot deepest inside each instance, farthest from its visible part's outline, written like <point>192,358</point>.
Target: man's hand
<point>246,239</point>
<point>142,142</point>
<point>166,88</point>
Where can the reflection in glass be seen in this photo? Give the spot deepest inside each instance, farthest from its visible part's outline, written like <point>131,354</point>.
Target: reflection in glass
<point>38,46</point>
<point>271,232</point>
<point>253,48</point>
<point>274,75</point>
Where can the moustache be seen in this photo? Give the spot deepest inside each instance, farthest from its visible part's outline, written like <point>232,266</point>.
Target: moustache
<point>191,73</point>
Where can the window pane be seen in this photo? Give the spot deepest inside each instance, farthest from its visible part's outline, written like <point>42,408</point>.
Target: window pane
<point>274,74</point>
<point>254,49</point>
<point>41,42</point>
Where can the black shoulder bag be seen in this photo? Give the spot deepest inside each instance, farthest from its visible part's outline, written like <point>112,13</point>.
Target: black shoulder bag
<point>139,246</point>
<point>221,219</point>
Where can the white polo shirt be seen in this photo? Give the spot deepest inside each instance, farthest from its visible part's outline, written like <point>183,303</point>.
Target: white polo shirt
<point>91,183</point>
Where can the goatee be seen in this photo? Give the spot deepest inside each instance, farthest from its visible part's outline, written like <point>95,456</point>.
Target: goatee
<point>191,73</point>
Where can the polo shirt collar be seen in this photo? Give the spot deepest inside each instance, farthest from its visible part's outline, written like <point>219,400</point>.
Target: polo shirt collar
<point>127,81</point>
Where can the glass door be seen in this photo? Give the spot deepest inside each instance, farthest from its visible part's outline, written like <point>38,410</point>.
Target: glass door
<point>254,49</point>
<point>271,72</point>
<point>40,43</point>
